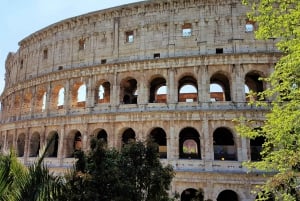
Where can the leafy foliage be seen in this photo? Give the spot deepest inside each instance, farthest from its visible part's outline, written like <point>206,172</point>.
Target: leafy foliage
<point>133,174</point>
<point>35,183</point>
<point>280,20</point>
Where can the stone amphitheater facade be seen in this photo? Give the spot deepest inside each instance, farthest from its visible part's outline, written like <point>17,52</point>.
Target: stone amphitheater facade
<point>176,70</point>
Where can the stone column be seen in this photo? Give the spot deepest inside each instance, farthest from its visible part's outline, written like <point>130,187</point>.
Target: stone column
<point>48,99</point>
<point>27,145</point>
<point>67,96</point>
<point>116,36</point>
<point>243,150</point>
<point>21,104</point>
<point>172,91</point>
<point>115,95</point>
<point>61,138</point>
<point>208,144</point>
<point>238,84</point>
<point>84,138</point>
<point>205,84</point>
<point>90,99</point>
<point>142,92</point>
<point>5,141</point>
<point>33,101</point>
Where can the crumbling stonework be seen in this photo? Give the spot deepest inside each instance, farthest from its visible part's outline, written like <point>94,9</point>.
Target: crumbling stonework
<point>176,70</point>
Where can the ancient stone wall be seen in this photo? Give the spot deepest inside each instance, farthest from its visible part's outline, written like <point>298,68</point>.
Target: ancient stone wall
<point>177,70</point>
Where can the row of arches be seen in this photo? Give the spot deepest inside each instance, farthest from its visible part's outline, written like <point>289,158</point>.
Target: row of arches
<point>189,143</point>
<point>77,95</point>
<point>191,194</point>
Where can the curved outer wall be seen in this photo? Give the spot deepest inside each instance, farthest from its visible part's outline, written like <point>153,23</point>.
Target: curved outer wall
<point>119,58</point>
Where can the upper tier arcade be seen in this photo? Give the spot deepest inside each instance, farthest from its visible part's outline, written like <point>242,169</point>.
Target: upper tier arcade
<point>139,31</point>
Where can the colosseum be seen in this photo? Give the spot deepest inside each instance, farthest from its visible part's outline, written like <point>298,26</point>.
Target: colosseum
<point>176,70</point>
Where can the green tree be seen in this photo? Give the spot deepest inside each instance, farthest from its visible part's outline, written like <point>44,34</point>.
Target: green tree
<point>12,176</point>
<point>33,183</point>
<point>280,20</point>
<point>132,174</point>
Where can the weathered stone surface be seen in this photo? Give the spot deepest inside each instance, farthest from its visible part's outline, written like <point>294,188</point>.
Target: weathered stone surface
<point>118,59</point>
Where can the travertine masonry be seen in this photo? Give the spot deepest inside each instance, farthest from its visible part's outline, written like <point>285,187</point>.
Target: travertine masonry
<point>176,70</point>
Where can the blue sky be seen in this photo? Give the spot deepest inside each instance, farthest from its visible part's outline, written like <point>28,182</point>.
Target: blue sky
<point>20,18</point>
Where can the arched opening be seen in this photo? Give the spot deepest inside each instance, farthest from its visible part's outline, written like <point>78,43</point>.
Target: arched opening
<point>256,148</point>
<point>159,136</point>
<point>44,101</point>
<point>57,97</point>
<point>227,195</point>
<point>61,98</point>
<point>73,143</point>
<point>224,146</point>
<point>81,94</point>
<point>78,94</point>
<point>220,81</point>
<point>103,93</point>
<point>129,91</point>
<point>128,136</point>
<point>10,140</point>
<point>40,103</point>
<point>187,89</point>
<point>53,148</point>
<point>216,93</point>
<point>34,145</point>
<point>102,135</point>
<point>21,145</point>
<point>189,144</point>
<point>158,90</point>
<point>191,194</point>
<point>254,84</point>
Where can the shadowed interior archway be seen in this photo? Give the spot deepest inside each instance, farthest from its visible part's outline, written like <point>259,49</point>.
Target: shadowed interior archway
<point>128,136</point>
<point>224,145</point>
<point>228,195</point>
<point>189,144</point>
<point>192,194</point>
<point>158,135</point>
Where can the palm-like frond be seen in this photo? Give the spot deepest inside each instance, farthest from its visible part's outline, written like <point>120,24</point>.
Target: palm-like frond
<point>35,183</point>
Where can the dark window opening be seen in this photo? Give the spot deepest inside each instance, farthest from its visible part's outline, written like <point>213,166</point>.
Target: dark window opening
<point>129,36</point>
<point>34,145</point>
<point>53,148</point>
<point>103,61</point>
<point>224,146</point>
<point>81,44</point>
<point>21,145</point>
<point>21,64</point>
<point>60,67</point>
<point>256,148</point>
<point>219,50</point>
<point>254,84</point>
<point>45,54</point>
<point>129,91</point>
<point>156,55</point>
